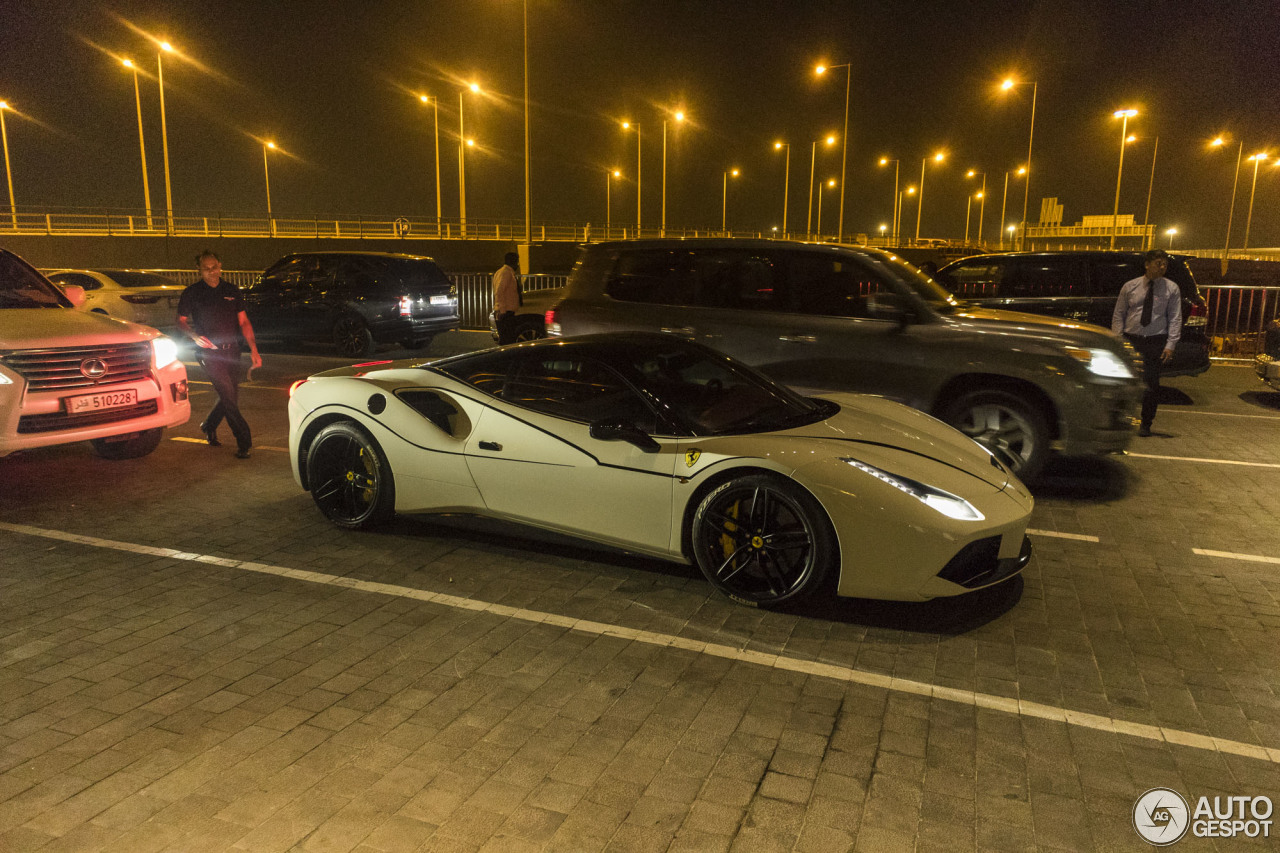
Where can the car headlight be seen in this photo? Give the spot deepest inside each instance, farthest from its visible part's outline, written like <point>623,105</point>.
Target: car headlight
<point>1102,362</point>
<point>952,506</point>
<point>164,350</point>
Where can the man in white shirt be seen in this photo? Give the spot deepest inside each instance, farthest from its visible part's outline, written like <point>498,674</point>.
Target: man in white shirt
<point>507,298</point>
<point>1149,314</point>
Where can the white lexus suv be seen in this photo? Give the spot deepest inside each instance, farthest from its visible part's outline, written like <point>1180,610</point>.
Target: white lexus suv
<point>68,375</point>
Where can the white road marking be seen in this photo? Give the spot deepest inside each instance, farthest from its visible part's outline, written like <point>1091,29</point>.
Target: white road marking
<point>1173,411</point>
<point>1055,534</point>
<point>1252,558</point>
<point>836,672</point>
<point>202,441</point>
<point>1200,459</point>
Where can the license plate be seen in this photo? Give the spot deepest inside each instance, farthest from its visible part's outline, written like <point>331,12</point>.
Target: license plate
<point>439,300</point>
<point>106,400</point>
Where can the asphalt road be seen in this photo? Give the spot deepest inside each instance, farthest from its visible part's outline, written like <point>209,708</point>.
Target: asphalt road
<point>191,658</point>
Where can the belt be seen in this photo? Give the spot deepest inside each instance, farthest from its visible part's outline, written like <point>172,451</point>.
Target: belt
<point>1145,337</point>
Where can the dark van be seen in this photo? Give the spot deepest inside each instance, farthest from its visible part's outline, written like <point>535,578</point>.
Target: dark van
<point>354,300</point>
<point>1079,286</point>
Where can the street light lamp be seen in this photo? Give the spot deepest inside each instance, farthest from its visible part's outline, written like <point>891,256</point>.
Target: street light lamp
<point>813,161</point>
<point>844,157</point>
<point>435,103</point>
<point>938,158</point>
<point>142,146</point>
<point>4,135</point>
<point>1257,161</point>
<point>1171,232</point>
<point>165,47</point>
<point>463,142</point>
<point>678,115</point>
<point>982,206</point>
<point>627,125</point>
<point>1026,190</point>
<point>724,204</point>
<point>609,175</point>
<point>266,171</point>
<point>831,183</point>
<point>1124,115</point>
<point>786,182</point>
<point>1022,170</point>
<point>1235,183</point>
<point>885,161</point>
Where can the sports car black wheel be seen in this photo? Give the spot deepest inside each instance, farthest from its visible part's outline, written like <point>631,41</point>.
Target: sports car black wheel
<point>762,540</point>
<point>350,478</point>
<point>1013,430</point>
<point>351,336</point>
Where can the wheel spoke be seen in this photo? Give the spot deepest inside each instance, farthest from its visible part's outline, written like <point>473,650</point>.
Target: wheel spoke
<point>720,572</point>
<point>773,574</point>
<point>787,540</point>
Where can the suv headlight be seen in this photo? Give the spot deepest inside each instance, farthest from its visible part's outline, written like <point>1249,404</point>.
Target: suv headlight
<point>1102,362</point>
<point>164,350</point>
<point>952,506</point>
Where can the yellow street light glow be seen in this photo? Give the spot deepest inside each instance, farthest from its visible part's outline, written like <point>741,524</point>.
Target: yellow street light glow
<point>821,69</point>
<point>471,143</point>
<point>626,125</point>
<point>679,115</point>
<point>1007,84</point>
<point>911,190</point>
<point>1124,114</point>
<point>939,157</point>
<point>4,105</point>
<point>1022,170</point>
<point>127,63</point>
<point>164,45</point>
<point>884,161</point>
<point>1259,156</point>
<point>978,194</point>
<point>475,87</point>
<point>970,173</point>
<point>734,173</point>
<point>777,146</point>
<point>617,173</point>
<point>831,183</point>
<point>831,140</point>
<point>1131,138</point>
<point>1218,141</point>
<point>271,145</point>
<point>1172,231</point>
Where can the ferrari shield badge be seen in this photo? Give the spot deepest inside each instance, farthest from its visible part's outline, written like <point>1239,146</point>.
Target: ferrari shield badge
<point>691,457</point>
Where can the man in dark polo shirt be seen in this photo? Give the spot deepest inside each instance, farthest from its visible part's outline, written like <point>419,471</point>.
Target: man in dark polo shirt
<point>211,312</point>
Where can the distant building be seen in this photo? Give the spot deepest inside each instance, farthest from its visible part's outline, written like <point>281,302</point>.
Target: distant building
<point>1091,232</point>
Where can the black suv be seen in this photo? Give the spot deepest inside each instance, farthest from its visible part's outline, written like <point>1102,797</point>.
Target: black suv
<point>353,299</point>
<point>1078,286</point>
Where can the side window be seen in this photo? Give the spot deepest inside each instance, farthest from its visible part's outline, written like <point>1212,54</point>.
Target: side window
<point>734,280</point>
<point>1110,274</point>
<point>658,276</point>
<point>976,278</point>
<point>578,389</point>
<point>88,282</point>
<point>1041,277</point>
<point>433,407</point>
<point>487,373</point>
<point>830,286</point>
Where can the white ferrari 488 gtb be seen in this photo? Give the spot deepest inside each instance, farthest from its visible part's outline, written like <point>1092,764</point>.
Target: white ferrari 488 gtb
<point>660,446</point>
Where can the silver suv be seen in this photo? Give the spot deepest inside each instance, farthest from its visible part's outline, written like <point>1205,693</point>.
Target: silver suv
<point>858,319</point>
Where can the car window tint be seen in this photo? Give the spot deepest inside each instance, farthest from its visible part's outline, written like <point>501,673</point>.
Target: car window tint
<point>1110,274</point>
<point>975,278</point>
<point>485,371</point>
<point>830,286</point>
<point>79,279</point>
<point>580,389</point>
<point>1043,277</point>
<point>134,278</point>
<point>431,406</point>
<point>422,271</point>
<point>22,287</point>
<point>734,280</point>
<point>658,276</point>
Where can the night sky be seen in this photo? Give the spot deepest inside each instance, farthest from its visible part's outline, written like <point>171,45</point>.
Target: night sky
<point>335,84</point>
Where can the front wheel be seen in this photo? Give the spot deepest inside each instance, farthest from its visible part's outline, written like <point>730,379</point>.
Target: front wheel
<point>1007,425</point>
<point>764,541</point>
<point>351,336</point>
<point>350,478</point>
<point>128,447</point>
<point>529,329</point>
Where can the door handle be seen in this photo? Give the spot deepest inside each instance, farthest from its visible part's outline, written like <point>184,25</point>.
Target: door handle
<point>799,339</point>
<point>490,445</point>
<point>686,331</point>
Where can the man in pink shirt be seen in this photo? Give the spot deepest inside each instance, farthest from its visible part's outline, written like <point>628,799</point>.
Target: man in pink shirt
<point>507,298</point>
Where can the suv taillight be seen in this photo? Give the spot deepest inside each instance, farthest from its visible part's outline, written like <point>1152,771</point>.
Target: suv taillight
<point>1197,316</point>
<point>406,306</point>
<point>550,326</point>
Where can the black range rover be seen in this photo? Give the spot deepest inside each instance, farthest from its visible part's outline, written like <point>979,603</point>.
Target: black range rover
<point>1080,286</point>
<point>353,300</point>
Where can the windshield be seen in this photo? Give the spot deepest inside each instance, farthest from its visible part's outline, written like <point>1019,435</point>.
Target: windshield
<point>23,287</point>
<point>135,278</point>
<point>922,285</point>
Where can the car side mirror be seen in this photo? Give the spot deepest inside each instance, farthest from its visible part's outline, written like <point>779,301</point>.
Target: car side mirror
<point>890,306</point>
<point>617,430</point>
<point>75,293</point>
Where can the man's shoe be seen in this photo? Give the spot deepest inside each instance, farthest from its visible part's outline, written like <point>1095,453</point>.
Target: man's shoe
<point>210,436</point>
<point>242,453</point>
<point>1144,431</point>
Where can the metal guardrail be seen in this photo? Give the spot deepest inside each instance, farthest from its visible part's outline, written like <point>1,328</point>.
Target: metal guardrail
<point>1238,317</point>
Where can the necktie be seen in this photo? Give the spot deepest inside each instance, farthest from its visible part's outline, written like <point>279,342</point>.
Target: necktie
<point>520,291</point>
<point>1148,303</point>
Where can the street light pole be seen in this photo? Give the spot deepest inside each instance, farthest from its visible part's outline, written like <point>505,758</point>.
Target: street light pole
<point>786,183</point>
<point>142,146</point>
<point>266,172</point>
<point>528,196</point>
<point>4,136</point>
<point>967,207</point>
<point>844,157</point>
<point>679,116</point>
<point>982,207</point>
<point>1124,133</point>
<point>1026,190</point>
<point>724,204</point>
<point>897,231</point>
<point>884,161</point>
<point>920,201</point>
<point>831,183</point>
<point>435,102</point>
<point>1235,183</point>
<point>1150,185</point>
<point>1171,232</point>
<point>1257,161</point>
<point>462,168</point>
<point>627,125</point>
<point>164,137</point>
<point>609,175</point>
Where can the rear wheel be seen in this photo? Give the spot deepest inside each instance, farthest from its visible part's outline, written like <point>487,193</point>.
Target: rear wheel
<point>1013,430</point>
<point>350,478</point>
<point>764,541</point>
<point>351,336</point>
<point>529,329</point>
<point>129,446</point>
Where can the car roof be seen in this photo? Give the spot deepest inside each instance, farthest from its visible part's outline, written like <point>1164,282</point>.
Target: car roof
<point>599,344</point>
<point>1125,254</point>
<point>736,243</point>
<point>358,254</point>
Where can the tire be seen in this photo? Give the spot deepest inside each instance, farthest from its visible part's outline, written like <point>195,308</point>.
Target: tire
<point>784,554</point>
<point>529,329</point>
<point>133,447</point>
<point>350,478</point>
<point>351,336</point>
<point>1013,430</point>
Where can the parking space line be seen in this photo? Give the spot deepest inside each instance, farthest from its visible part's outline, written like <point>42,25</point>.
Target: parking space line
<point>1229,555</point>
<point>1200,459</point>
<point>1173,411</point>
<point>1055,534</point>
<point>202,441</point>
<point>819,669</point>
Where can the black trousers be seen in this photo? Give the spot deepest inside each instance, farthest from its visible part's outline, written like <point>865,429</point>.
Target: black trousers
<point>506,324</point>
<point>222,366</point>
<point>1150,347</point>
